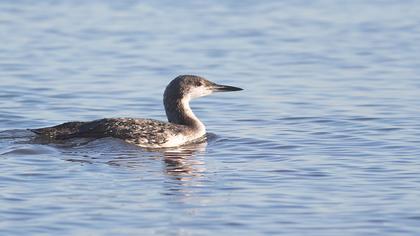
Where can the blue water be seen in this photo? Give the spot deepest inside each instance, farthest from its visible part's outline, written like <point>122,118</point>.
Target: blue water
<point>324,140</point>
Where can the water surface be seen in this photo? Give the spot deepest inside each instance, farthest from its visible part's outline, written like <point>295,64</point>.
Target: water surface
<point>324,140</point>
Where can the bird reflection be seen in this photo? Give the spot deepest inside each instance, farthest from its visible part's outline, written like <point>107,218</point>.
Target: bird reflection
<point>183,166</point>
<point>185,171</point>
<point>182,163</point>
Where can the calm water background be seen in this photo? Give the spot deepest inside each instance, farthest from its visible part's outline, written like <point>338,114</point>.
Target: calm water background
<point>324,140</point>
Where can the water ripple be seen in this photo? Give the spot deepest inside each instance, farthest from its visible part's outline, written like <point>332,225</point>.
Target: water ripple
<point>324,140</point>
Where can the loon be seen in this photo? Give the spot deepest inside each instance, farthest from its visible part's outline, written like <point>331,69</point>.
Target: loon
<point>183,126</point>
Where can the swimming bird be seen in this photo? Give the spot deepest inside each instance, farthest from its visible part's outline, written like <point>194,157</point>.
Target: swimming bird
<point>183,126</point>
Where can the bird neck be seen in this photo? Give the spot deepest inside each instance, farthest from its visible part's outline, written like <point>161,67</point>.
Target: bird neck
<point>179,112</point>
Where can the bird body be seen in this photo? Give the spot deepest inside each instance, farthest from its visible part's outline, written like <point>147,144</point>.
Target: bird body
<point>183,126</point>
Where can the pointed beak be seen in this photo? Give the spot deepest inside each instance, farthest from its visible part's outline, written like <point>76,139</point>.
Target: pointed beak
<point>225,88</point>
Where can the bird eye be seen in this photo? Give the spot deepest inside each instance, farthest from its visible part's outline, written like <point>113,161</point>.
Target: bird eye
<point>198,83</point>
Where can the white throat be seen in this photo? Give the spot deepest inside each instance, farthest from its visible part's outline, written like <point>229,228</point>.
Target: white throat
<point>185,103</point>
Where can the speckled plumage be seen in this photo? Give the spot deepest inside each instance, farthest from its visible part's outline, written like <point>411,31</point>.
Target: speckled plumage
<point>142,132</point>
<point>183,126</point>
